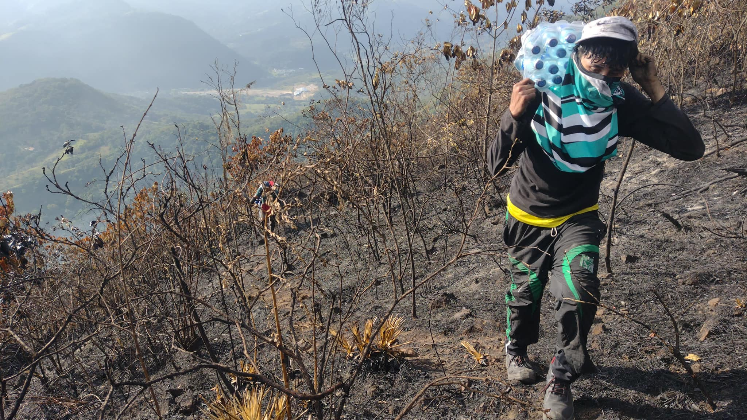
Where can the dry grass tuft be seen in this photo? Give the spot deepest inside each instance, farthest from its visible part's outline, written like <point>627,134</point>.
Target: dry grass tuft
<point>385,343</point>
<point>344,343</point>
<point>255,403</point>
<point>390,331</point>
<point>362,340</point>
<point>480,358</point>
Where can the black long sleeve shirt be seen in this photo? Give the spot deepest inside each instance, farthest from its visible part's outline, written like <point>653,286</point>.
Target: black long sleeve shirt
<point>544,191</point>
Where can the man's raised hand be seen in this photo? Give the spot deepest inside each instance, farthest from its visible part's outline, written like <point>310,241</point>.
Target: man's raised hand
<point>521,96</point>
<point>643,70</point>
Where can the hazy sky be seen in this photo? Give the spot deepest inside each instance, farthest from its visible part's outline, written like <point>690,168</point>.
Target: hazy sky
<point>172,42</point>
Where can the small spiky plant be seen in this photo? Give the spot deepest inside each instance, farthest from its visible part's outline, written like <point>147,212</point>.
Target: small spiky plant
<point>389,334</point>
<point>246,368</point>
<point>362,340</point>
<point>386,342</point>
<point>344,343</point>
<point>247,404</point>
<point>255,403</point>
<point>480,358</point>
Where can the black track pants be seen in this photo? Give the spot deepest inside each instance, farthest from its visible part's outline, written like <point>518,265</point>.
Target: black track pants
<point>567,257</point>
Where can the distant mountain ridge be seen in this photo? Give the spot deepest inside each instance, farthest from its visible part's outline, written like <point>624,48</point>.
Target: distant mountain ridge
<point>37,118</point>
<point>31,113</point>
<point>249,27</point>
<point>111,46</point>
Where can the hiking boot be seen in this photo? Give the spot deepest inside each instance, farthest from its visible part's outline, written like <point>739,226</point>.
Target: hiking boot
<point>558,400</point>
<point>518,369</point>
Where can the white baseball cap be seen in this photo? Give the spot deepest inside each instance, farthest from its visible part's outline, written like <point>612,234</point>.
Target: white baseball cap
<point>616,27</point>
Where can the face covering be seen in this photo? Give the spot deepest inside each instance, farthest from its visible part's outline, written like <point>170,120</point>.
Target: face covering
<point>576,124</point>
<point>595,85</point>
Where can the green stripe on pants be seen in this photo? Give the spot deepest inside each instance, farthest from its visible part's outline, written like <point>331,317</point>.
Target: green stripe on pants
<point>535,286</point>
<point>569,257</point>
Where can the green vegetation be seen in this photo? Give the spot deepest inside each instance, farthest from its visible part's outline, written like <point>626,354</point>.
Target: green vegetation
<point>37,118</point>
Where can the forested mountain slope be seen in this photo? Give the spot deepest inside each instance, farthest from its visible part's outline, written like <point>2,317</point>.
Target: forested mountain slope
<point>37,118</point>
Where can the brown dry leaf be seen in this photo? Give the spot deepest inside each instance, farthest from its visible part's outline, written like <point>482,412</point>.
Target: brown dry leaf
<point>458,53</point>
<point>705,330</point>
<point>507,56</point>
<point>515,41</point>
<point>447,50</point>
<point>474,12</point>
<point>375,81</point>
<point>692,357</point>
<point>479,357</point>
<point>519,28</point>
<point>486,21</point>
<point>487,3</point>
<point>739,302</point>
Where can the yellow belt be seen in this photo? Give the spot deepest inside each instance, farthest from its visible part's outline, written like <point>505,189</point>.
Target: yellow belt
<point>542,222</point>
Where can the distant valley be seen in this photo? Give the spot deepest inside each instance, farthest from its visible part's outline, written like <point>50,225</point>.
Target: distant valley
<point>37,118</point>
<point>87,69</point>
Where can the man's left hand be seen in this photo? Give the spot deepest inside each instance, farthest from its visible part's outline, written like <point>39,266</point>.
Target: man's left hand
<point>643,70</point>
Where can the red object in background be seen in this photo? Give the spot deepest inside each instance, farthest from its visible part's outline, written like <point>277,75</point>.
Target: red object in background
<point>266,208</point>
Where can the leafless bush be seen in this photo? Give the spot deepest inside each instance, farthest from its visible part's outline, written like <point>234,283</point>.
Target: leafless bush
<point>177,275</point>
<point>700,46</point>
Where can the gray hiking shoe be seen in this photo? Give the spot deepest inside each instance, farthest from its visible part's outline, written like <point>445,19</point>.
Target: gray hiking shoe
<point>558,400</point>
<point>518,369</point>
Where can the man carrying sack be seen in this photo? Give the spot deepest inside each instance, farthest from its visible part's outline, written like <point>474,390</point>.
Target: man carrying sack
<point>561,139</point>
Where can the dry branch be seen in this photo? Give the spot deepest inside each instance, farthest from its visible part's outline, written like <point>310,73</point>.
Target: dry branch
<point>673,349</point>
<point>464,382</point>
<point>732,144</point>
<point>611,219</point>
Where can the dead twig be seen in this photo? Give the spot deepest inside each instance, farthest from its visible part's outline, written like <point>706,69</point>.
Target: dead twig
<point>672,220</point>
<point>447,380</point>
<point>252,377</point>
<point>692,191</point>
<point>732,144</point>
<point>459,380</point>
<point>611,219</point>
<point>195,316</point>
<point>279,338</point>
<point>673,349</point>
